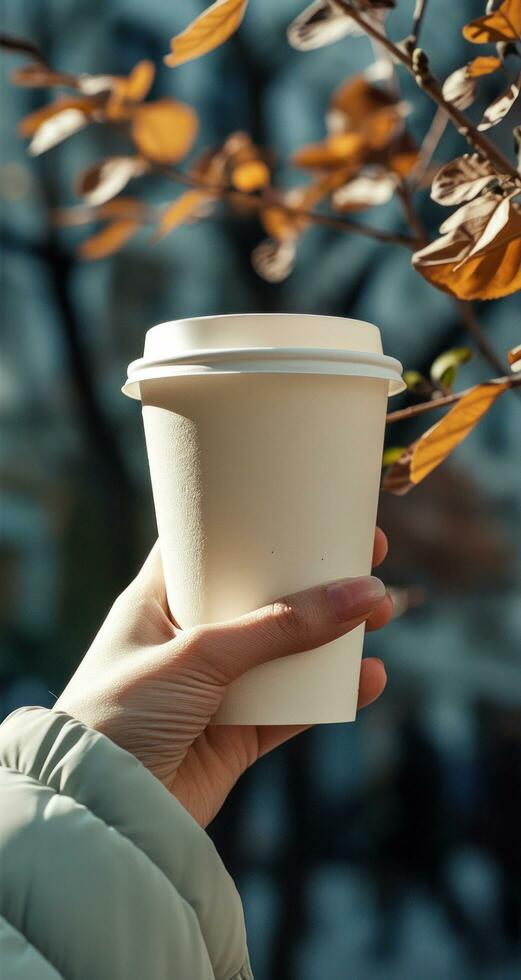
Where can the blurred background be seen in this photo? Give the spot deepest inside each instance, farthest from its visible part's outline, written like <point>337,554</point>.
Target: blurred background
<point>381,850</point>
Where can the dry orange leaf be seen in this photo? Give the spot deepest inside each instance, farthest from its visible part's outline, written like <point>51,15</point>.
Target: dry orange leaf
<point>164,131</point>
<point>40,76</point>
<point>31,123</point>
<point>332,152</point>
<point>514,356</point>
<point>109,240</point>
<point>479,257</point>
<point>357,99</point>
<point>183,209</point>
<point>503,24</point>
<point>251,175</point>
<point>212,28</point>
<point>136,87</point>
<point>483,66</point>
<point>433,447</point>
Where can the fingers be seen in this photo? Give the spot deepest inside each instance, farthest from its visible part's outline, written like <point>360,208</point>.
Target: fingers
<point>381,547</point>
<point>295,623</point>
<point>372,682</point>
<point>381,615</point>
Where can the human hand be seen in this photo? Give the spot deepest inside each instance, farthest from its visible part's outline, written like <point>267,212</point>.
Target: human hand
<point>152,687</point>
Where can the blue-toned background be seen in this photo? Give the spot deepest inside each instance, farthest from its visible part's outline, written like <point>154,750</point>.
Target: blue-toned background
<point>385,850</point>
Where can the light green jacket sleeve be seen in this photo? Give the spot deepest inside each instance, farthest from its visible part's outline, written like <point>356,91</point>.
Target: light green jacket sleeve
<point>103,874</point>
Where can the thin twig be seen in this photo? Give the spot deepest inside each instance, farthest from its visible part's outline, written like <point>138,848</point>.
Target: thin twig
<point>416,63</point>
<point>417,18</point>
<point>412,410</point>
<point>409,210</point>
<point>428,147</point>
<point>259,204</point>
<point>467,314</point>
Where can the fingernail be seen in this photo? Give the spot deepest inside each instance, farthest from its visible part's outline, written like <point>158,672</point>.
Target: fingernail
<point>351,597</point>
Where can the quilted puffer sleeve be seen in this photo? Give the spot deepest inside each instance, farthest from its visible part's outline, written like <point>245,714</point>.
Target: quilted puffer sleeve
<point>103,873</point>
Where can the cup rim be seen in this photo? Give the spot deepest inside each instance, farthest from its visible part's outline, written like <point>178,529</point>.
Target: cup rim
<point>261,360</point>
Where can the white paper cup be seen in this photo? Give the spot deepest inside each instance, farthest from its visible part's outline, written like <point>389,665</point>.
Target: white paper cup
<point>264,435</point>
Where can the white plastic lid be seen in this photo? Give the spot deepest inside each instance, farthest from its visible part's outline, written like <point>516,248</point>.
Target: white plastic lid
<point>264,342</point>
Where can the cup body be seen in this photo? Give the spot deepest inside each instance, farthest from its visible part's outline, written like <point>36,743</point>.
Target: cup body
<point>265,484</point>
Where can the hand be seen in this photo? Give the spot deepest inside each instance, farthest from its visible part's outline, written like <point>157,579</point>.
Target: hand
<point>152,687</point>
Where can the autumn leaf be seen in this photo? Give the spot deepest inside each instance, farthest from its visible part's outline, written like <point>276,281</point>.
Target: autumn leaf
<point>109,240</point>
<point>503,24</point>
<point>484,65</point>
<point>29,125</point>
<point>185,208</point>
<point>212,28</point>
<point>463,179</point>
<point>366,190</point>
<point>40,76</point>
<point>137,85</point>
<point>333,152</point>
<point>459,88</point>
<point>498,109</point>
<point>274,260</point>
<point>479,253</point>
<point>123,207</point>
<point>164,131</point>
<point>433,447</point>
<point>514,358</point>
<point>323,22</point>
<point>104,180</point>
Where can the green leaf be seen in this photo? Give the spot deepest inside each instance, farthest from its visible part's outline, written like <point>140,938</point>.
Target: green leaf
<point>392,454</point>
<point>445,368</point>
<point>416,383</point>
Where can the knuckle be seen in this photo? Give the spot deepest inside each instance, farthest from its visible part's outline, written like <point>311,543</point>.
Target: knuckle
<point>287,620</point>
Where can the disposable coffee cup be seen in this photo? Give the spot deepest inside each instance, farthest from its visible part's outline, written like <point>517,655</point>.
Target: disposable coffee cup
<point>264,435</point>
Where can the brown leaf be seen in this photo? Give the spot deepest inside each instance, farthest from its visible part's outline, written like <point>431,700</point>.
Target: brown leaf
<point>433,447</point>
<point>503,24</point>
<point>460,88</point>
<point>273,260</point>
<point>212,28</point>
<point>164,131</point>
<point>365,191</point>
<point>109,240</point>
<point>137,85</point>
<point>29,125</point>
<point>185,208</point>
<point>514,357</point>
<point>19,45</point>
<point>323,23</point>
<point>479,253</point>
<point>498,109</point>
<point>39,76</point>
<point>333,152</point>
<point>403,155</point>
<point>104,180</point>
<point>357,99</point>
<point>124,207</point>
<point>484,65</point>
<point>462,179</point>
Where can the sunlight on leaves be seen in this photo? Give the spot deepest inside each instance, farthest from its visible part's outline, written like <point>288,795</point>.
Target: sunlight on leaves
<point>433,447</point>
<point>189,206</point>
<point>462,179</point>
<point>479,253</point>
<point>503,24</point>
<point>109,240</point>
<point>164,131</point>
<point>104,180</point>
<point>500,107</point>
<point>208,31</point>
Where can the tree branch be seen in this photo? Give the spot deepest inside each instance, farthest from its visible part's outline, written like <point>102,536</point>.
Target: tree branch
<point>428,147</point>
<point>417,64</point>
<point>467,314</point>
<point>413,410</point>
<point>258,204</point>
<point>418,15</point>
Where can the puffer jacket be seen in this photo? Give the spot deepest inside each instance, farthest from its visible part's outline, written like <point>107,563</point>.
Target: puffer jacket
<point>103,874</point>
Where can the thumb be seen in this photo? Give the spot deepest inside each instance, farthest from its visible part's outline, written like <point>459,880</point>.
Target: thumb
<point>298,622</point>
